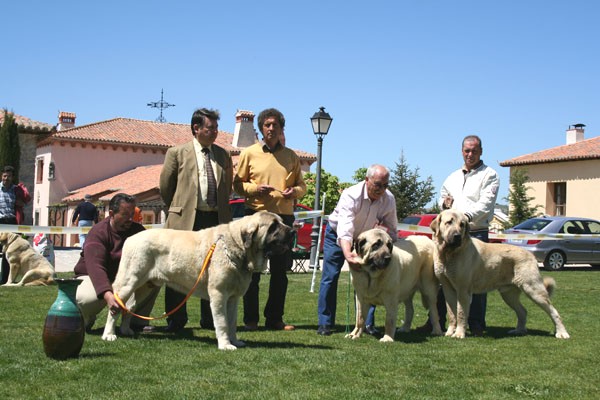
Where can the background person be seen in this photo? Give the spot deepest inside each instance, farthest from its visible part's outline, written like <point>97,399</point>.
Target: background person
<point>86,214</point>
<point>99,263</point>
<point>184,187</point>
<point>270,178</point>
<point>12,201</point>
<point>361,207</point>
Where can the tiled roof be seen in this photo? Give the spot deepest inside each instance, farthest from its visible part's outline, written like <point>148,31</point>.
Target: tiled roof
<point>583,150</point>
<point>131,131</point>
<point>143,133</point>
<point>25,123</point>
<point>134,182</point>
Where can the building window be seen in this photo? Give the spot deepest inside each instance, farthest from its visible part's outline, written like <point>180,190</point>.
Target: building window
<point>51,170</point>
<point>39,170</point>
<point>560,198</point>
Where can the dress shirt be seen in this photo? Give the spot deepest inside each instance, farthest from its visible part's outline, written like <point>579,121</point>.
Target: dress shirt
<point>474,194</point>
<point>202,179</point>
<point>356,213</point>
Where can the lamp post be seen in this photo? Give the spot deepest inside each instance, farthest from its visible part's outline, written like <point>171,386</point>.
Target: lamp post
<point>320,124</point>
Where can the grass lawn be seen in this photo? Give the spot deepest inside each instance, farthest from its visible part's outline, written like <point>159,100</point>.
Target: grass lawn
<point>303,365</point>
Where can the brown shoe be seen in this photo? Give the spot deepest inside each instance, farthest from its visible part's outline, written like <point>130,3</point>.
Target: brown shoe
<point>279,326</point>
<point>251,326</point>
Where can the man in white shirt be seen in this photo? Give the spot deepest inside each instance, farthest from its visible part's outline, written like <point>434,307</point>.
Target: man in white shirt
<point>472,190</point>
<point>361,207</point>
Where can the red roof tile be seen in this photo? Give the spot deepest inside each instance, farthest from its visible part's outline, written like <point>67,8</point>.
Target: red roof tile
<point>133,182</point>
<point>143,133</point>
<point>583,150</point>
<point>27,123</point>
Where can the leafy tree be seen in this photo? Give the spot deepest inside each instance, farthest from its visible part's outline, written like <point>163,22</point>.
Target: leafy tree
<point>412,194</point>
<point>10,151</point>
<point>330,185</point>
<point>520,210</point>
<point>360,174</point>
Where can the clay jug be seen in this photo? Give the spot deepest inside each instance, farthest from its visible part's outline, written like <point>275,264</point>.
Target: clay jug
<point>64,330</point>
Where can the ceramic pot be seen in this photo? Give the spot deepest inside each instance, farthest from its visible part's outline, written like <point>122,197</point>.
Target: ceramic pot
<point>64,329</point>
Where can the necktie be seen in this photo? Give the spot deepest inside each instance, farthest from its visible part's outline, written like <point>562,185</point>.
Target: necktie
<point>211,195</point>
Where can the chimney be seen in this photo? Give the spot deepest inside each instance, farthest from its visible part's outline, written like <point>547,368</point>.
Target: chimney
<point>244,134</point>
<point>575,133</point>
<point>66,120</point>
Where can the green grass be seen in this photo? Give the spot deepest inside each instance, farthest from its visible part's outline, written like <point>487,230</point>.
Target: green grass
<point>303,365</point>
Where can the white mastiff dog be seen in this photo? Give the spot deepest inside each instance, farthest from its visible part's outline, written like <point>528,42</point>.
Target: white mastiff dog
<point>175,258</point>
<point>466,265</point>
<point>391,274</point>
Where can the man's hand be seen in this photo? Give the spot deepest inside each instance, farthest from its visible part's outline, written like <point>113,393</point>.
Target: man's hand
<point>354,261</point>
<point>448,201</point>
<point>264,190</point>
<point>111,302</point>
<point>288,193</point>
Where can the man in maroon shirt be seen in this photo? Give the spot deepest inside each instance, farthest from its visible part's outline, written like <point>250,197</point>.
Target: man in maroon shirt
<point>99,262</point>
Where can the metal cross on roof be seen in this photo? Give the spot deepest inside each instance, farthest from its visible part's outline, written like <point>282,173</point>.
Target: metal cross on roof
<point>161,105</point>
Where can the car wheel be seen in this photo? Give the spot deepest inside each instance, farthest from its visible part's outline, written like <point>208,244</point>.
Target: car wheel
<point>555,261</point>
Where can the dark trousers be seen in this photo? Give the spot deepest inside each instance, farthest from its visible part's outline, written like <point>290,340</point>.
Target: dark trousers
<point>278,266</point>
<point>5,264</point>
<point>203,220</point>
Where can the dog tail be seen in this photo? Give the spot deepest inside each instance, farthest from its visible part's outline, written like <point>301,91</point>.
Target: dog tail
<point>550,285</point>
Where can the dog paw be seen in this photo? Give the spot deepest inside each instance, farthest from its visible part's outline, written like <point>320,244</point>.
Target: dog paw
<point>386,339</point>
<point>352,336</point>
<point>109,337</point>
<point>437,332</point>
<point>228,346</point>
<point>562,335</point>
<point>459,335</point>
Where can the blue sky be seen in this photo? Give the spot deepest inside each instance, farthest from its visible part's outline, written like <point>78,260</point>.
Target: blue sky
<point>396,76</point>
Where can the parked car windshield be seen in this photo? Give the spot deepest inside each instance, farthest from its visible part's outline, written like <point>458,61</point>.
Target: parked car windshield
<point>411,220</point>
<point>534,224</point>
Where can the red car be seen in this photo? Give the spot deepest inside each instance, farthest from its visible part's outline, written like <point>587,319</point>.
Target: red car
<point>420,220</point>
<point>304,227</point>
<point>425,220</point>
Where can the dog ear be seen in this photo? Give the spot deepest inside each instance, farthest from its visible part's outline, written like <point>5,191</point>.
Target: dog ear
<point>467,226</point>
<point>435,224</point>
<point>248,234</point>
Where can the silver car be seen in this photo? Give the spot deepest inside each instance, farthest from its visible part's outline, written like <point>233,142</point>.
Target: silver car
<point>584,249</point>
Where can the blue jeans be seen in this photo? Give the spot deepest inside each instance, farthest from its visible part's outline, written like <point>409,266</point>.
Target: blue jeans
<point>333,261</point>
<point>82,236</point>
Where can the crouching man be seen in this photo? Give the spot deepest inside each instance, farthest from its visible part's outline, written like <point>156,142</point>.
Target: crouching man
<point>99,262</point>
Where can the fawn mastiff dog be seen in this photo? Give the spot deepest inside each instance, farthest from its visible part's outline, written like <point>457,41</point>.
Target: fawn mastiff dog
<point>25,263</point>
<point>465,266</point>
<point>175,258</point>
<point>391,274</point>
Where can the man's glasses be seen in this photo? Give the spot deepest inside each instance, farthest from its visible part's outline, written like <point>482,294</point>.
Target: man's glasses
<point>379,185</point>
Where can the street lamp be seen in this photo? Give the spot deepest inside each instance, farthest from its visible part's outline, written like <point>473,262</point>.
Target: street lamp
<point>320,124</point>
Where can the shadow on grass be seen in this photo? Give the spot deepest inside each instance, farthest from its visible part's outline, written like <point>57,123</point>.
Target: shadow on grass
<point>503,333</point>
<point>187,334</point>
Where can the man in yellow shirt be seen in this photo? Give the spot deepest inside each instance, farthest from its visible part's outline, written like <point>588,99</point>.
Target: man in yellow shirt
<point>270,179</point>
